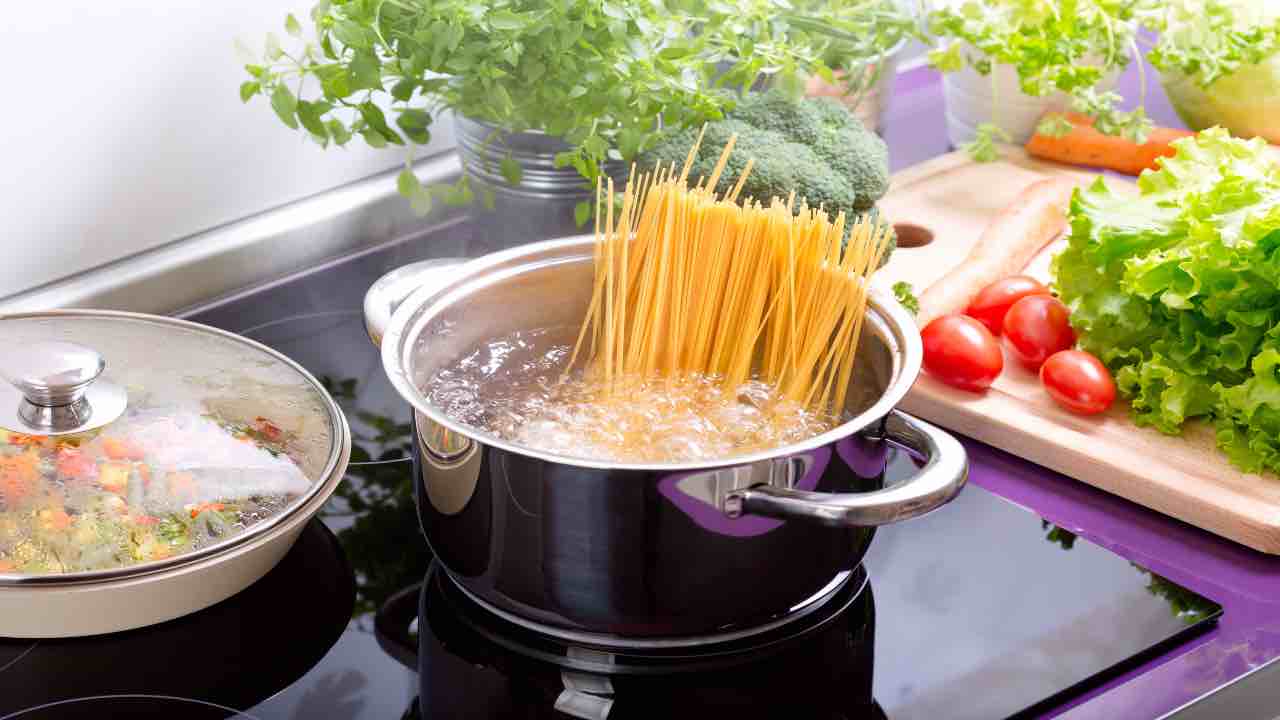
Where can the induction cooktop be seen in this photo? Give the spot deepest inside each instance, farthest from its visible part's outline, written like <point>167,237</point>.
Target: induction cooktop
<point>979,610</point>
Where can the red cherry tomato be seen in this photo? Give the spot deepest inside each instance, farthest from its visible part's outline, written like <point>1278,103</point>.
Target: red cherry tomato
<point>990,306</point>
<point>1036,327</point>
<point>1078,381</point>
<point>961,352</point>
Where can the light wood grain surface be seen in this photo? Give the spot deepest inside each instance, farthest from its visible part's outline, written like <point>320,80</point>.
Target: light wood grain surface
<point>1185,477</point>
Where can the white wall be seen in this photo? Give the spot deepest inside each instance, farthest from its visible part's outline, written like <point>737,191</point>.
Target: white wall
<point>122,130</point>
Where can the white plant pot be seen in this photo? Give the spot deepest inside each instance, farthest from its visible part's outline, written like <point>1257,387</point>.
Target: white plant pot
<point>973,99</point>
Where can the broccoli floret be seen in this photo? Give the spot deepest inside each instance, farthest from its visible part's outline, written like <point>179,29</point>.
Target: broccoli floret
<point>852,151</point>
<point>813,147</point>
<point>800,122</point>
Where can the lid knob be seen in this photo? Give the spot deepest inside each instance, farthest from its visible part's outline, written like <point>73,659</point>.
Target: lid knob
<point>51,374</point>
<point>55,378</point>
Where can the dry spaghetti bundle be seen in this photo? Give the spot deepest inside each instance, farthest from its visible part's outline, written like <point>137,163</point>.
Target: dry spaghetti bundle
<point>688,282</point>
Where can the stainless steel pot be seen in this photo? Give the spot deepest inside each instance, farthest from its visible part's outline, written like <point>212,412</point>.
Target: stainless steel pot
<point>666,552</point>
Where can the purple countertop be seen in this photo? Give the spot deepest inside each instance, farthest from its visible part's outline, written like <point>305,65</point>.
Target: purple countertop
<point>1246,583</point>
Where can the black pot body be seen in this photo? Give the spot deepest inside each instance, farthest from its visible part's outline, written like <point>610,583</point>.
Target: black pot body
<point>631,553</point>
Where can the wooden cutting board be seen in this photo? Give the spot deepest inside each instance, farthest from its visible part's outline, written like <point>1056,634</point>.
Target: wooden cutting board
<point>1186,477</point>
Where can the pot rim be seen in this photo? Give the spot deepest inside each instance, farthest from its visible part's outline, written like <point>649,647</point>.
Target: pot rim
<point>424,304</point>
<point>324,484</point>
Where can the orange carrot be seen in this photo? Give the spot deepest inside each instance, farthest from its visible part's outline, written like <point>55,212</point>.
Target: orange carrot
<point>121,449</point>
<point>18,476</point>
<point>73,463</point>
<point>54,519</point>
<point>1086,146</point>
<point>214,506</point>
<point>268,429</point>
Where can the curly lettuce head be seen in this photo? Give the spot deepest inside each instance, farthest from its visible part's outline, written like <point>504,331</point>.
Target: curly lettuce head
<point>1177,290</point>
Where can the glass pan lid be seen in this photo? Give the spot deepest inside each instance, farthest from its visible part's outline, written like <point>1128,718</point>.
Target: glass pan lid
<point>214,440</point>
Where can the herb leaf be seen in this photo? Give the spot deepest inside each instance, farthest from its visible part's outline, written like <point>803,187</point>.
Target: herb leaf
<point>982,147</point>
<point>582,213</point>
<point>903,292</point>
<point>285,105</point>
<point>510,169</point>
<point>1055,125</point>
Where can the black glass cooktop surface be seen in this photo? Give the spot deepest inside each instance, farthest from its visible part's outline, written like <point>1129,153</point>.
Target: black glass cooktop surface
<point>977,611</point>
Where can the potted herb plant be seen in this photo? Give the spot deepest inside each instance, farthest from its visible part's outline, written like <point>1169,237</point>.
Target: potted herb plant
<point>1219,64</point>
<point>867,45</point>
<point>1008,62</point>
<point>547,96</point>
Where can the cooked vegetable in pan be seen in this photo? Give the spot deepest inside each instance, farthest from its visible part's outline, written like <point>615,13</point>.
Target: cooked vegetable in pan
<point>149,486</point>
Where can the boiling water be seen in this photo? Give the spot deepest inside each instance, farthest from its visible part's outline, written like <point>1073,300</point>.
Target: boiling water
<point>516,388</point>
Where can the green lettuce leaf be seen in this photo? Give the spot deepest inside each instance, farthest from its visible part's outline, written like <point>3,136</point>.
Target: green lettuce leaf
<point>1177,290</point>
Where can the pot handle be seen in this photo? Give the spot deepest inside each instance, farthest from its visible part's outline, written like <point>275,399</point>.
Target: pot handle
<point>388,291</point>
<point>945,471</point>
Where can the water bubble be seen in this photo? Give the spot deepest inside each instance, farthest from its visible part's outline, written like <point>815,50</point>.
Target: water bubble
<point>512,388</point>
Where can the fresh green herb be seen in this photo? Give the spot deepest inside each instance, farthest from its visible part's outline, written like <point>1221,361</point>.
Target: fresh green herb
<point>982,147</point>
<point>1055,125</point>
<point>379,532</point>
<point>1177,290</point>
<point>863,36</point>
<point>1059,536</point>
<point>1052,45</point>
<point>1211,39</point>
<point>604,75</point>
<point>1134,125</point>
<point>907,298</point>
<point>1185,605</point>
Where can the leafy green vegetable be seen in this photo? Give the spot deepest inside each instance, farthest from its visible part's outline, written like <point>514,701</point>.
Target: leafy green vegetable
<point>605,75</point>
<point>1177,290</point>
<point>1186,605</point>
<point>1057,535</point>
<point>174,530</point>
<point>903,292</point>
<point>813,147</point>
<point>1212,39</point>
<point>1221,65</point>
